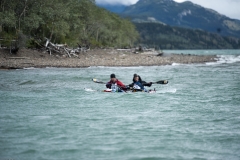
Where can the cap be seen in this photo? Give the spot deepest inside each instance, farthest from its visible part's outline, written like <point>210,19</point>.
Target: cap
<point>112,76</point>
<point>135,75</point>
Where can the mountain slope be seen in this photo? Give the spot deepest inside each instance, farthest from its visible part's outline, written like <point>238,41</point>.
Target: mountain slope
<point>186,14</point>
<point>167,37</point>
<point>118,8</point>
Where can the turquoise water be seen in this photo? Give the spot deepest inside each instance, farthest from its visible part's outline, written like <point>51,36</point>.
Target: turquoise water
<point>53,113</point>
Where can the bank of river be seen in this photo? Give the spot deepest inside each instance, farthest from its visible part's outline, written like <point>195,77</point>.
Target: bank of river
<point>104,57</point>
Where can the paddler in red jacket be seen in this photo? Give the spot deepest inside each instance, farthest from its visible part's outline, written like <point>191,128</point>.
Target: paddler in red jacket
<point>115,84</point>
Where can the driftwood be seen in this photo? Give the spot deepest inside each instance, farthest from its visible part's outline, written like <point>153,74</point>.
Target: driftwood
<point>62,49</point>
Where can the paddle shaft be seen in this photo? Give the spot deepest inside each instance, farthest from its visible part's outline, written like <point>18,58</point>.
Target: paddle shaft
<point>161,82</point>
<point>158,82</point>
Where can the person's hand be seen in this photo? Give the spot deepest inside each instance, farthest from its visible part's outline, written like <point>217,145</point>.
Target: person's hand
<point>108,85</point>
<point>150,84</point>
<point>128,87</point>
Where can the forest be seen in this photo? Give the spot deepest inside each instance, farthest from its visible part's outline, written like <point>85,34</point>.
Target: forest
<point>70,22</point>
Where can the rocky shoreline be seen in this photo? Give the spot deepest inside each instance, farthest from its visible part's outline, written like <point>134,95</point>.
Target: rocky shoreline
<point>102,57</point>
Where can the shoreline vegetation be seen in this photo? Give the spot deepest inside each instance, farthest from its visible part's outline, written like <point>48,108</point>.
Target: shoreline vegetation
<point>27,24</point>
<point>26,58</point>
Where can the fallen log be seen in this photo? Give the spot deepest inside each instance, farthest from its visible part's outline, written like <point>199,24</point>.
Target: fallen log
<point>67,52</point>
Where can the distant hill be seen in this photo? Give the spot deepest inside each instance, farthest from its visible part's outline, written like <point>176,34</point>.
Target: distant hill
<point>163,36</point>
<point>186,14</point>
<point>118,8</point>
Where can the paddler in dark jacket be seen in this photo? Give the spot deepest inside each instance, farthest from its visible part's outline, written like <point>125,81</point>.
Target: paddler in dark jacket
<point>139,84</point>
<point>115,84</point>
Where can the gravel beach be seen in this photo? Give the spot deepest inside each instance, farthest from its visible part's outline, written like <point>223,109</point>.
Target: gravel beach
<point>102,57</point>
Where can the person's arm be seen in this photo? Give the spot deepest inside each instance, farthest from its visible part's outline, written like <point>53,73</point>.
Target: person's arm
<point>131,85</point>
<point>146,84</point>
<point>120,84</point>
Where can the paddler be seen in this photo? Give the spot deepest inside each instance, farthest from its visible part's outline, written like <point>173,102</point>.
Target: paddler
<point>139,84</point>
<point>115,84</point>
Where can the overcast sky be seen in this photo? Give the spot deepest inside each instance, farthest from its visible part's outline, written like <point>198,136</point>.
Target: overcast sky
<point>230,8</point>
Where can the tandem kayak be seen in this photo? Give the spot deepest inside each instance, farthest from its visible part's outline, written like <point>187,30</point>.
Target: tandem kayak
<point>134,90</point>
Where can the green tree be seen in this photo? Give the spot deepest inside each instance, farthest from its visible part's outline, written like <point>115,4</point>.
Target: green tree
<point>63,21</point>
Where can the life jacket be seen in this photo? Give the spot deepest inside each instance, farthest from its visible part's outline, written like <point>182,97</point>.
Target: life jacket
<point>138,85</point>
<point>118,83</point>
<point>114,87</point>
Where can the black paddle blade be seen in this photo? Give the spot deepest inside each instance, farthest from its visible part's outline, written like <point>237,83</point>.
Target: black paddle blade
<point>162,82</point>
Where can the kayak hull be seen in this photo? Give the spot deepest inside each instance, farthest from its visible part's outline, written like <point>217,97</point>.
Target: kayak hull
<point>135,90</point>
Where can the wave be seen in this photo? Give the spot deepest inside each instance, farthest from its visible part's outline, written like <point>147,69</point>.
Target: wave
<point>176,64</point>
<point>171,90</point>
<point>28,68</point>
<point>51,67</point>
<point>27,82</point>
<point>89,90</point>
<point>225,59</point>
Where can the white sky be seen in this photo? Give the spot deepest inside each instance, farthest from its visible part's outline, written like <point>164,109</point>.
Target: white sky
<point>230,8</point>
